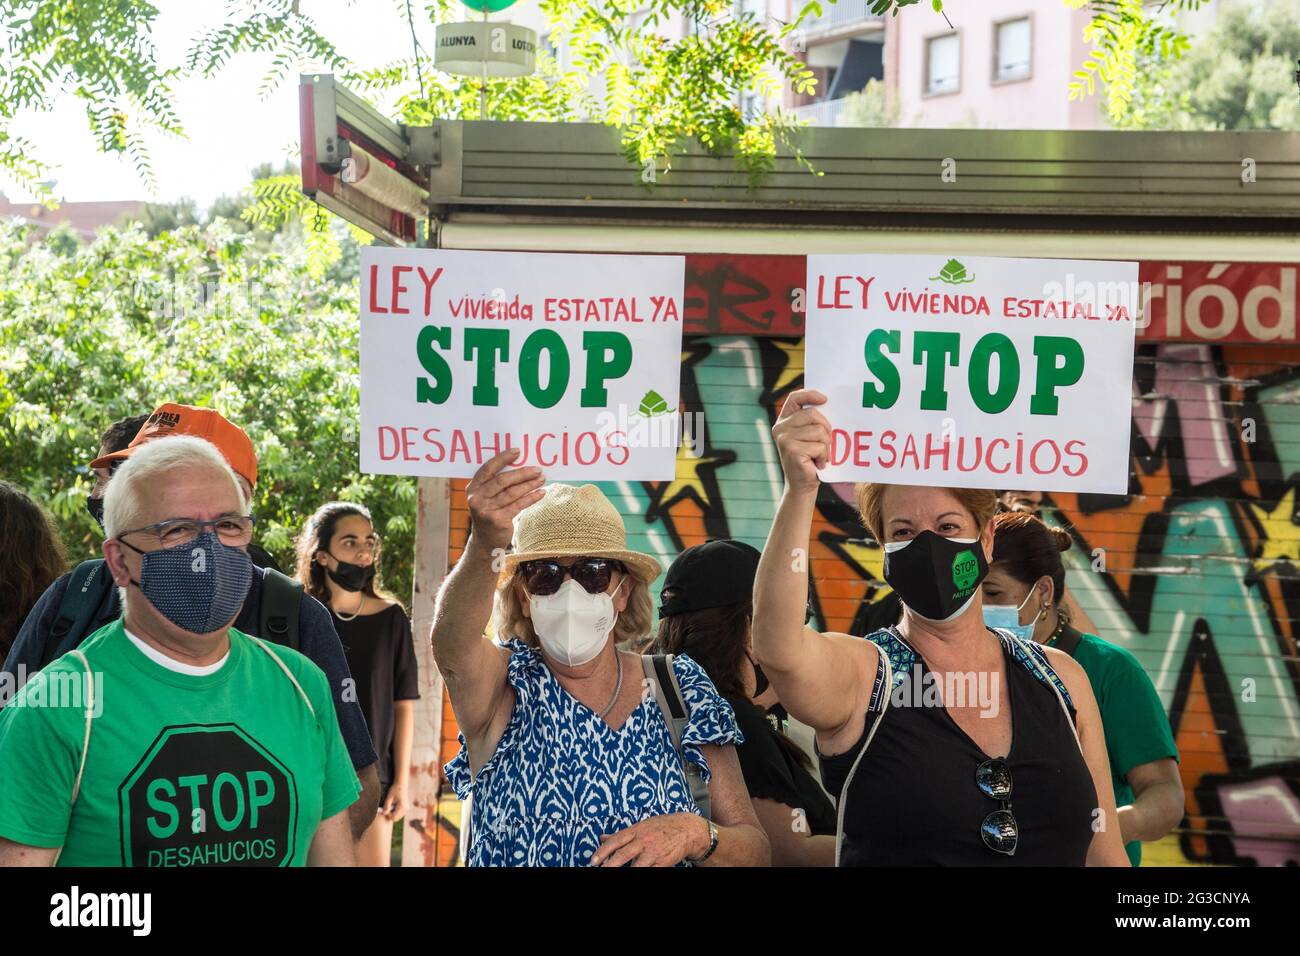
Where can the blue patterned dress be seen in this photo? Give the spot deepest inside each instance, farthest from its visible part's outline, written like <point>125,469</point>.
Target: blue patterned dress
<point>561,778</point>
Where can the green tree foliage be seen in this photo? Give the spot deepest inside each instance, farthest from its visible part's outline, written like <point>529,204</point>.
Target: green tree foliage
<point>1240,75</point>
<point>273,206</point>
<point>660,92</point>
<point>871,106</point>
<point>96,332</point>
<point>164,217</point>
<point>1124,33</point>
<point>100,51</point>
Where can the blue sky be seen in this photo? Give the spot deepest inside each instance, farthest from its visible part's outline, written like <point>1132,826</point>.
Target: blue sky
<point>230,127</point>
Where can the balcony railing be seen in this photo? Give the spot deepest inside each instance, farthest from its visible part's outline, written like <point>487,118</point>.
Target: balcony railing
<point>825,113</point>
<point>840,15</point>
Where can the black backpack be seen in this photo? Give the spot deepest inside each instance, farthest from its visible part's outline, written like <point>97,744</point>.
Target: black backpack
<point>90,584</point>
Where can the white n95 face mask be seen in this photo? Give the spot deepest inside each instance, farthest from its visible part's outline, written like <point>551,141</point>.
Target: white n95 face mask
<point>572,625</point>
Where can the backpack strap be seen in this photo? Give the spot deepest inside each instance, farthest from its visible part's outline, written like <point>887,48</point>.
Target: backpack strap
<point>87,586</point>
<point>658,670</point>
<point>281,599</point>
<point>287,673</point>
<point>89,701</point>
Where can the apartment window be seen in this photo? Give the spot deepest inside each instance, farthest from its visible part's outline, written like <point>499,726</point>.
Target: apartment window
<point>943,64</point>
<point>1012,45</point>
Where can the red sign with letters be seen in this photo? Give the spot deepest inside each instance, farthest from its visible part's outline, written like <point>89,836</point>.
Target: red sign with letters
<point>1182,301</point>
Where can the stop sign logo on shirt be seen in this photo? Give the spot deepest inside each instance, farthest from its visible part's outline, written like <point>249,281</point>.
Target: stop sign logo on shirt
<point>208,795</point>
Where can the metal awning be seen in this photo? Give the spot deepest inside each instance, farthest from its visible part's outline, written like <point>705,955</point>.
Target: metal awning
<point>569,168</point>
<point>1057,181</point>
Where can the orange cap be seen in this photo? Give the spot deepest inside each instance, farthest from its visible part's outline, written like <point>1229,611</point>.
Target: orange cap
<point>205,423</point>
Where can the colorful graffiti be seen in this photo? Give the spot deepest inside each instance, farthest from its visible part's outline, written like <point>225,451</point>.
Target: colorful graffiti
<point>1196,570</point>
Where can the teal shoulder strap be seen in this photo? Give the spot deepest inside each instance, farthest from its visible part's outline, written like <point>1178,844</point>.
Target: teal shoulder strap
<point>901,658</point>
<point>86,589</point>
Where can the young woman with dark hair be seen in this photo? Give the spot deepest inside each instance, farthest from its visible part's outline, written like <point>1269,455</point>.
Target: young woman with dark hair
<point>706,612</point>
<point>29,535</point>
<point>338,564</point>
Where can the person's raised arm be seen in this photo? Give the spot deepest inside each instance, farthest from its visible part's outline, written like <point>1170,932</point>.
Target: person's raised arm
<point>818,677</point>
<point>473,669</point>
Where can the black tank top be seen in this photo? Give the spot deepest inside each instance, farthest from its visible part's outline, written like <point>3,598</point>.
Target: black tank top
<point>913,800</point>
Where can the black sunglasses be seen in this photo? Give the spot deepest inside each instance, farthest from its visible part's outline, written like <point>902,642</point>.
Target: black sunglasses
<point>543,576</point>
<point>999,829</point>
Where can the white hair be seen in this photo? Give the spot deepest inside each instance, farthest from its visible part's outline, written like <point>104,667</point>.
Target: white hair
<point>130,487</point>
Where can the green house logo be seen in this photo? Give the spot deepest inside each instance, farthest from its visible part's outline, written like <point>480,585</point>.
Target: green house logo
<point>965,570</point>
<point>953,273</point>
<point>653,404</point>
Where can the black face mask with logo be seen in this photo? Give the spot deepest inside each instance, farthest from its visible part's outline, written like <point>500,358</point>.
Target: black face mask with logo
<point>934,576</point>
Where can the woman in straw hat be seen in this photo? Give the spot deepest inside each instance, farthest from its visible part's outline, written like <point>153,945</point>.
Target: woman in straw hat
<point>568,761</point>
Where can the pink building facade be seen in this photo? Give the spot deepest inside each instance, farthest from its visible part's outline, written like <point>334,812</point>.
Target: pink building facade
<point>1004,64</point>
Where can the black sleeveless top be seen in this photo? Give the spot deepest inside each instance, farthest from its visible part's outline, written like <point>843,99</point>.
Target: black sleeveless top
<point>913,799</point>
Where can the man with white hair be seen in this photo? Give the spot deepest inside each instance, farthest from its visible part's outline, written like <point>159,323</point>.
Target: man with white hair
<point>275,607</point>
<point>192,743</point>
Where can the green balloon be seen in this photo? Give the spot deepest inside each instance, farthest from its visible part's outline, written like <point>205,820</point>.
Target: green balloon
<point>487,6</point>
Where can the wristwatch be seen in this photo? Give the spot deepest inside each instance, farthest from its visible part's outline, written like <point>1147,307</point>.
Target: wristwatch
<point>713,844</point>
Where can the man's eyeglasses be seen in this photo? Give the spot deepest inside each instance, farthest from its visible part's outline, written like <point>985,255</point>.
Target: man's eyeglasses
<point>544,576</point>
<point>999,829</point>
<point>233,530</point>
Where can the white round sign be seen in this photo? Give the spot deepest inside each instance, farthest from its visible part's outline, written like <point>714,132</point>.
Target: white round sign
<point>485,48</point>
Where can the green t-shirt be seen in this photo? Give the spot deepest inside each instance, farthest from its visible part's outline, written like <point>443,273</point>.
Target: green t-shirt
<point>230,768</point>
<point>1136,726</point>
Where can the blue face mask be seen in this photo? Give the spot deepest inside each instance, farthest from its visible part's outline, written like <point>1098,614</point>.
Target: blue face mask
<point>1007,618</point>
<point>199,586</point>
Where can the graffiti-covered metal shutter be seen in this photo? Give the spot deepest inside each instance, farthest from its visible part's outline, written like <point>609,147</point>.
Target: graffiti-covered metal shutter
<point>1196,571</point>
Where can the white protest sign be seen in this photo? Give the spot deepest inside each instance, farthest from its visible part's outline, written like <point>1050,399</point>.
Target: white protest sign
<point>575,360</point>
<point>974,372</point>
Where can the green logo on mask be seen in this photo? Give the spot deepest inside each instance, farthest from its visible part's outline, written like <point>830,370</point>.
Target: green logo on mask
<point>965,570</point>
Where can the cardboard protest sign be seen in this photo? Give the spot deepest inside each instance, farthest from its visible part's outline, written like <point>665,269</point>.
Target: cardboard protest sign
<point>573,359</point>
<point>976,373</point>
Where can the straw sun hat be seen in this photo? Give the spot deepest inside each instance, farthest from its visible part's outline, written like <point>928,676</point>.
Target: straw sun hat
<point>575,522</point>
